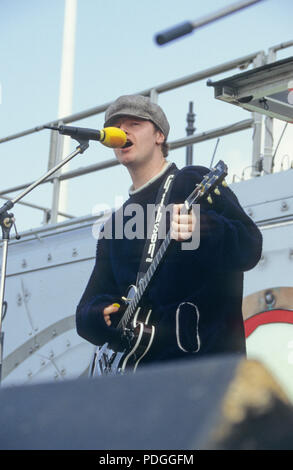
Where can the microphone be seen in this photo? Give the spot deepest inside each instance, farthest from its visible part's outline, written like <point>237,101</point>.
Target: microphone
<point>174,33</point>
<point>112,137</point>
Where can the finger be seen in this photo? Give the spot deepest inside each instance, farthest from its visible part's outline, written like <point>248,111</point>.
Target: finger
<point>184,217</point>
<point>181,232</point>
<point>182,227</point>
<point>183,212</point>
<point>113,308</point>
<point>188,225</point>
<point>185,222</point>
<point>109,311</point>
<point>177,208</point>
<point>175,231</point>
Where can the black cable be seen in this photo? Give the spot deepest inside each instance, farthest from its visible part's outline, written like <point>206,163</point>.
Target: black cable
<point>4,311</point>
<point>253,166</point>
<point>217,143</point>
<point>273,158</point>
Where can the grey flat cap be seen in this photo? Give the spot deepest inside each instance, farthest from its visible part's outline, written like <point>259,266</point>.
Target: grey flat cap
<point>137,106</point>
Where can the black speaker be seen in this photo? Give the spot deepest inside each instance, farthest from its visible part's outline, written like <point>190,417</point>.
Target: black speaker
<point>223,402</point>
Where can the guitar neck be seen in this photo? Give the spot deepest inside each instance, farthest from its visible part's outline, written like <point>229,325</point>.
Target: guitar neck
<point>144,283</point>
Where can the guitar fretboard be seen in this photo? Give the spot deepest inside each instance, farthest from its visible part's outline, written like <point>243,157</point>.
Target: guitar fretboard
<point>144,282</point>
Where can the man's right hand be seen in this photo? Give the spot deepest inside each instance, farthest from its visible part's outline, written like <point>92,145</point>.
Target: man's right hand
<point>108,311</point>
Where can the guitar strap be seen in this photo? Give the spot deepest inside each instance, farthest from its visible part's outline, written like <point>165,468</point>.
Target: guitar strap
<point>158,217</point>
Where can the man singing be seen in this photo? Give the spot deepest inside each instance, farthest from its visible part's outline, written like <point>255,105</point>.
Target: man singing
<point>195,296</point>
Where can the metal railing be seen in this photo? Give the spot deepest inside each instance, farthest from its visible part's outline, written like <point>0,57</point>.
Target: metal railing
<point>56,142</point>
<point>153,92</point>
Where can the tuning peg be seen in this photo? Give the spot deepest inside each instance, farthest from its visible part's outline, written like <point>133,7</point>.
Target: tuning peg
<point>209,199</point>
<point>217,191</point>
<point>224,184</point>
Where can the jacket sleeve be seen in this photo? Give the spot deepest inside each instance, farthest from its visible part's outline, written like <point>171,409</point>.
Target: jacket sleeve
<point>228,236</point>
<point>100,292</point>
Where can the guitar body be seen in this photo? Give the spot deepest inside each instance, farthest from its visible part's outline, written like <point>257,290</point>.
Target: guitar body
<point>106,361</point>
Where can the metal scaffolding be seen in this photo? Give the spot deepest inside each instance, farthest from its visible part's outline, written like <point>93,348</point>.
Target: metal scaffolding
<point>255,59</point>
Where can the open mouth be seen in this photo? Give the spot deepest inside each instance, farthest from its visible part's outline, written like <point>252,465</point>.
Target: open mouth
<point>128,144</point>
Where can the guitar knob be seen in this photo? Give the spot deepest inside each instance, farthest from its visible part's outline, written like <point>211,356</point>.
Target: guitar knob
<point>209,199</point>
<point>224,184</point>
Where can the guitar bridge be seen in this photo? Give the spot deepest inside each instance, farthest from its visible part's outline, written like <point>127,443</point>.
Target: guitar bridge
<point>128,334</point>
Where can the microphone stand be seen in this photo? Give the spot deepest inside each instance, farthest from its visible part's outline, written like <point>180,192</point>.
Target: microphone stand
<point>189,26</point>
<point>6,222</point>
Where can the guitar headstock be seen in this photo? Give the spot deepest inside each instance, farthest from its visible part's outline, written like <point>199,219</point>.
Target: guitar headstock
<point>209,183</point>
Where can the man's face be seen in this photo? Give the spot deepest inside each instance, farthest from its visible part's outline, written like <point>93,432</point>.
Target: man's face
<point>143,140</point>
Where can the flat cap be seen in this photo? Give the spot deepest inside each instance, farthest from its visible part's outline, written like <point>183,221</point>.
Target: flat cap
<point>137,106</point>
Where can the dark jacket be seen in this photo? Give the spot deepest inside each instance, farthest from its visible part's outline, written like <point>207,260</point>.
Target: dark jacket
<point>196,295</point>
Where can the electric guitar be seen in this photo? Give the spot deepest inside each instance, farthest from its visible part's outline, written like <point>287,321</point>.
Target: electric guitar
<point>136,330</point>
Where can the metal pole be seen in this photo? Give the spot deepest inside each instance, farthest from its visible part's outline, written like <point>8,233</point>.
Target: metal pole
<point>60,190</point>
<point>2,290</point>
<point>190,131</point>
<point>65,103</point>
<point>154,95</point>
<point>212,134</point>
<point>175,144</point>
<point>80,149</point>
<point>189,26</point>
<point>56,181</point>
<point>168,86</point>
<point>223,12</point>
<point>269,128</point>
<point>36,206</point>
<point>258,124</point>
